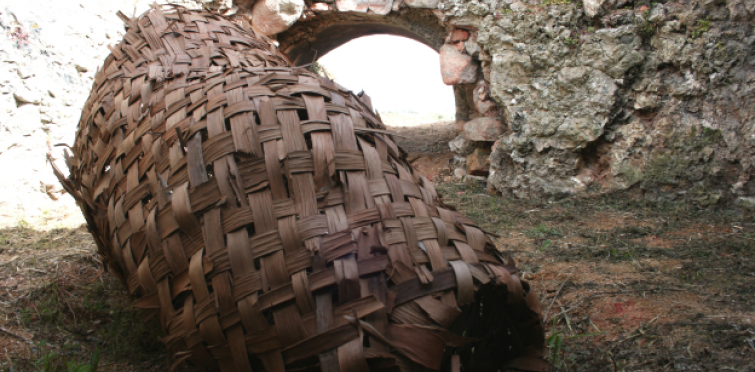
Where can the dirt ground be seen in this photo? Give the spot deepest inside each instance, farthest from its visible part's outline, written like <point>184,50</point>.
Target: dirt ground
<point>625,285</point>
<point>427,145</point>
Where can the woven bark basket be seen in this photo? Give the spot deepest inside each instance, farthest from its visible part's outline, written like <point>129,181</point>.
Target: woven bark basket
<point>267,220</point>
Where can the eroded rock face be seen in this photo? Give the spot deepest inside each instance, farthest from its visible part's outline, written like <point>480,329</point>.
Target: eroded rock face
<point>658,98</point>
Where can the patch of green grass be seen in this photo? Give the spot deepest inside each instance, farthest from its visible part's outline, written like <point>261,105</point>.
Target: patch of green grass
<point>45,358</point>
<point>711,135</point>
<point>555,2</point>
<point>555,348</point>
<point>319,69</point>
<point>646,29</point>
<point>490,212</point>
<point>542,231</point>
<point>700,28</point>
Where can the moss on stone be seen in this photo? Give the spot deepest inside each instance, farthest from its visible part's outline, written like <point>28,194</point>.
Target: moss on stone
<point>701,27</point>
<point>632,174</point>
<point>666,168</point>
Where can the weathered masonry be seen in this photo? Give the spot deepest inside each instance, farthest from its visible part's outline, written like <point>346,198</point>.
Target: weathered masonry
<point>563,97</point>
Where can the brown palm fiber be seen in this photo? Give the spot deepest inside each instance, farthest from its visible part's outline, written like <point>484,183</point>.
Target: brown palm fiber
<point>266,219</point>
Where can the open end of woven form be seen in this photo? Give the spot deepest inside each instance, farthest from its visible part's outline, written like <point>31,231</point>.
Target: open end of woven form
<point>267,220</point>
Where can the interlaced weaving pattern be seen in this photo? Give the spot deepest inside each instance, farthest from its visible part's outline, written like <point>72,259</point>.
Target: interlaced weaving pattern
<point>266,219</point>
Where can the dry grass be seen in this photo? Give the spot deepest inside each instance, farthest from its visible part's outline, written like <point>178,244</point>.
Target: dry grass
<point>62,310</point>
<point>633,286</point>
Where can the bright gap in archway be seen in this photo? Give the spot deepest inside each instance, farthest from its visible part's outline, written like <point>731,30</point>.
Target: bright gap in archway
<point>401,76</point>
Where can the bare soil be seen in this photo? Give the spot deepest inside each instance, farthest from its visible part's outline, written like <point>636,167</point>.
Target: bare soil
<point>625,285</point>
<point>427,145</point>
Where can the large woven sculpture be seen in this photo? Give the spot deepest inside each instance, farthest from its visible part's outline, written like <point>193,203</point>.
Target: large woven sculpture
<point>268,221</point>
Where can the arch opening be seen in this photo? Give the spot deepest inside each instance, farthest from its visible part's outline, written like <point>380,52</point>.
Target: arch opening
<point>333,37</point>
<point>400,75</point>
<point>317,34</point>
<point>462,62</point>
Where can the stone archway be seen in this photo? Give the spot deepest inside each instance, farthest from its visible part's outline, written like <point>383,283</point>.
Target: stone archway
<point>576,98</point>
<point>323,28</point>
<point>320,33</point>
<point>497,104</point>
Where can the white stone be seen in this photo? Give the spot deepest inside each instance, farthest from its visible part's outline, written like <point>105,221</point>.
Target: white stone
<point>422,4</point>
<point>646,101</point>
<point>24,95</point>
<point>271,17</point>
<point>23,121</point>
<point>23,72</point>
<point>592,7</point>
<point>319,7</point>
<point>461,146</point>
<point>381,7</point>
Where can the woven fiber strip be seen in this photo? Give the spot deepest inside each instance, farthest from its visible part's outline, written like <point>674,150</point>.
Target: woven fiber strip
<point>265,218</point>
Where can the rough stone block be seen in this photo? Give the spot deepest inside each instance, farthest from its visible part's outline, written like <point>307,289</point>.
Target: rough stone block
<point>456,67</point>
<point>646,101</point>
<point>592,7</point>
<point>481,98</point>
<point>381,7</point>
<point>422,4</point>
<point>483,129</point>
<point>319,7</point>
<point>275,16</point>
<point>461,146</point>
<point>746,202</point>
<point>473,49</point>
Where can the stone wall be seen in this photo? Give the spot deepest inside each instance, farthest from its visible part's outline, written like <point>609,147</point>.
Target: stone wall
<point>651,96</point>
<point>593,97</point>
<point>49,52</point>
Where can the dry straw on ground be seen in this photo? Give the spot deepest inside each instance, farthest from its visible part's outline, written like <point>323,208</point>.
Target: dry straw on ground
<point>266,219</point>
